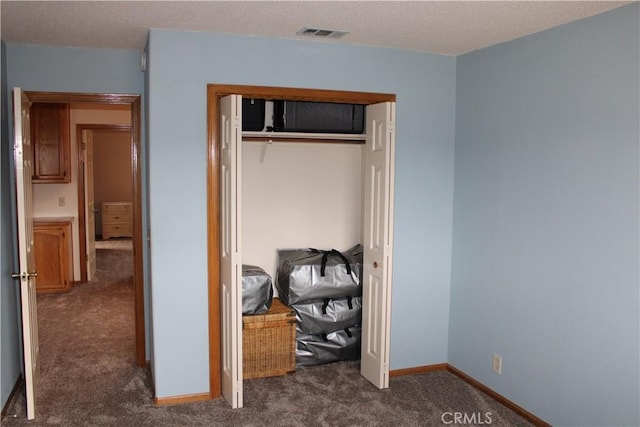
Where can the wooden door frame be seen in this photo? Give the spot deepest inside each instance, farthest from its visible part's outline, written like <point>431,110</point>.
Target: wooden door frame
<point>135,104</point>
<point>82,219</point>
<point>214,93</point>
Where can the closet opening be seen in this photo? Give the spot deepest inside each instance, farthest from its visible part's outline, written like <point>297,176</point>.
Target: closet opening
<point>364,160</point>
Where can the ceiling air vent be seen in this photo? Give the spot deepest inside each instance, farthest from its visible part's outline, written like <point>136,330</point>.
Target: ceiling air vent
<point>318,32</point>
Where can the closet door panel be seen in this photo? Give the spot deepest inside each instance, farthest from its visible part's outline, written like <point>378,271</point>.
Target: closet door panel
<point>378,171</point>
<point>230,251</point>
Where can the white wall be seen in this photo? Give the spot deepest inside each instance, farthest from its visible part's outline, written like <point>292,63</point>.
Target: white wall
<point>45,196</point>
<point>302,195</point>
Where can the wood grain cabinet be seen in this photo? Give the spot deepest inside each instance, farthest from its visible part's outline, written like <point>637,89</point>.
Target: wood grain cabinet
<point>51,142</point>
<point>53,254</point>
<point>116,219</point>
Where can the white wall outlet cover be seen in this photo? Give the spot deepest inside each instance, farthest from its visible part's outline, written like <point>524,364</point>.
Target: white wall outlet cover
<point>497,364</point>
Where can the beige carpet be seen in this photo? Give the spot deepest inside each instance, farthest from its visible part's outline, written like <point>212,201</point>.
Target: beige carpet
<point>89,377</point>
<point>121,244</point>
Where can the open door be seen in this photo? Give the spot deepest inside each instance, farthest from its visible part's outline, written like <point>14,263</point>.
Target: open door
<point>230,250</point>
<point>87,143</point>
<point>378,170</point>
<point>23,155</point>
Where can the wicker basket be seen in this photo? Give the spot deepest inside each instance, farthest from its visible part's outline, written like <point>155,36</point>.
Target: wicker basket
<point>268,342</point>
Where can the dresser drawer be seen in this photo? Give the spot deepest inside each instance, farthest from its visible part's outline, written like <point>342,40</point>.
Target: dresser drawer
<point>116,218</point>
<point>116,209</point>
<point>116,230</point>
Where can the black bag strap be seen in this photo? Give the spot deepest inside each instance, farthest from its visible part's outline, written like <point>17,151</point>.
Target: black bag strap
<point>323,265</point>
<point>349,302</point>
<point>325,256</point>
<point>348,332</point>
<point>344,259</point>
<point>324,305</point>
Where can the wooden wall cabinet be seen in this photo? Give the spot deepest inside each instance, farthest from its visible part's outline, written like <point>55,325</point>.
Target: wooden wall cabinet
<point>51,142</point>
<point>53,254</point>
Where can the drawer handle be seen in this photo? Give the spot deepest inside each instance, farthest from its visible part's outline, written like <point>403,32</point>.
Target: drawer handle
<point>116,217</point>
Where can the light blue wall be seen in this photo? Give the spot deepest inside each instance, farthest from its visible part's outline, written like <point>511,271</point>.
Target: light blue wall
<point>180,66</point>
<point>68,69</point>
<point>10,354</point>
<point>61,69</point>
<point>545,248</point>
<point>149,279</point>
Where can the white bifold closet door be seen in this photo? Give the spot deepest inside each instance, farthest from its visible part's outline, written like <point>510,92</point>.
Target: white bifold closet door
<point>231,250</point>
<point>378,171</point>
<point>378,182</point>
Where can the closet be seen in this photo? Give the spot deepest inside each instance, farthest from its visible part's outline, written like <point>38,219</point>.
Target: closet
<point>352,172</point>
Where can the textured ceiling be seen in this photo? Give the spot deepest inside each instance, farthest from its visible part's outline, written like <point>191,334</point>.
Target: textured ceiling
<point>445,27</point>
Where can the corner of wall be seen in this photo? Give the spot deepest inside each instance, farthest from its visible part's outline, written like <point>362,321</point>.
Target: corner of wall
<point>10,356</point>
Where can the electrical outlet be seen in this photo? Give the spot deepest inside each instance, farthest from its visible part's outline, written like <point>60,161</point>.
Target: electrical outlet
<point>497,363</point>
<point>61,201</point>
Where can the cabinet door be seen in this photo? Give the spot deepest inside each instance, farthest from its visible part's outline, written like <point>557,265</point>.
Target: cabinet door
<point>52,246</point>
<point>50,132</point>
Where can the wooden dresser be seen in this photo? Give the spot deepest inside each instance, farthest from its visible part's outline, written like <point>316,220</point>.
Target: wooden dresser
<point>53,254</point>
<point>116,219</point>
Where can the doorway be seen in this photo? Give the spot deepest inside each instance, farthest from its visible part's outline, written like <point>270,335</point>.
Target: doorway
<point>215,93</point>
<point>134,104</point>
<point>104,175</point>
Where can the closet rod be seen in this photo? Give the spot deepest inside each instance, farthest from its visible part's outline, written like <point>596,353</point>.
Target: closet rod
<point>302,139</point>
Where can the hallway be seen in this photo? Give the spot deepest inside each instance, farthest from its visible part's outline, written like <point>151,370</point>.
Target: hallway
<point>87,343</point>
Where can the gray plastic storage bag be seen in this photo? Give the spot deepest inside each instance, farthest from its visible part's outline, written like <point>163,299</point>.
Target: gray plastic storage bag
<point>257,292</point>
<point>310,274</point>
<point>328,315</point>
<point>333,347</point>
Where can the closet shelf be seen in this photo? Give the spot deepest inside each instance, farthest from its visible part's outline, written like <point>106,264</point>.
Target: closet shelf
<point>304,137</point>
